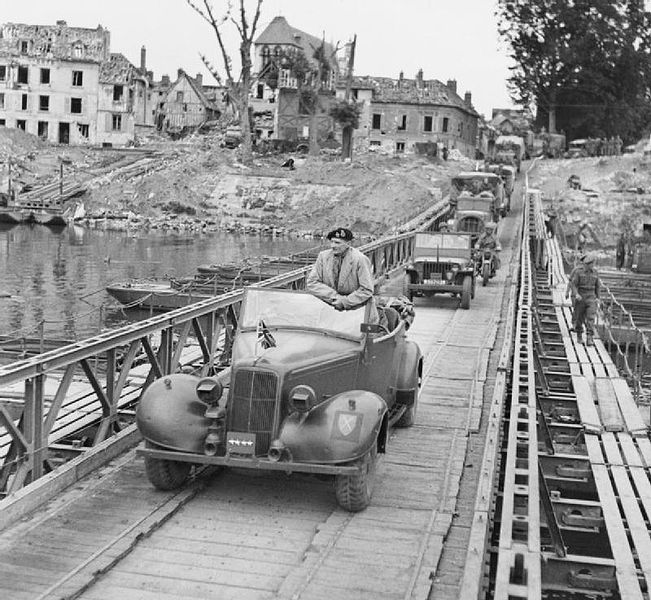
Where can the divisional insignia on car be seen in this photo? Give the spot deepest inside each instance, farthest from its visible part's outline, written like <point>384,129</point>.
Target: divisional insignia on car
<point>347,426</point>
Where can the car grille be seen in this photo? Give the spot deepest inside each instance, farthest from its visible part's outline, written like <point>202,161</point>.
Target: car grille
<point>434,270</point>
<point>470,225</point>
<point>253,406</point>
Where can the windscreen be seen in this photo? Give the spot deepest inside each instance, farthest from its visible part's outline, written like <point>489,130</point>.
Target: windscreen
<point>442,241</point>
<point>280,308</point>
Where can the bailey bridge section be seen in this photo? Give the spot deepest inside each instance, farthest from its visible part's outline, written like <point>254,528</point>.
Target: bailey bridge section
<point>526,474</point>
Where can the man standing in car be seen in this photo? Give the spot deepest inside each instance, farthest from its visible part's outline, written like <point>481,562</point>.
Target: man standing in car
<point>341,276</point>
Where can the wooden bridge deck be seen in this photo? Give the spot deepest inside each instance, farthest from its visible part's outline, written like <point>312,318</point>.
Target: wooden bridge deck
<point>266,535</point>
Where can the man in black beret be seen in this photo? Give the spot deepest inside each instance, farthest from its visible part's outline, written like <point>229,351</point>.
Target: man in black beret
<point>341,276</point>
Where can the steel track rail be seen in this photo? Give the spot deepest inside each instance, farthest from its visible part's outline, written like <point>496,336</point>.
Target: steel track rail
<point>574,495</point>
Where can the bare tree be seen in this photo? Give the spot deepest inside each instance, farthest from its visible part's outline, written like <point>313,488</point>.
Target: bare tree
<point>237,89</point>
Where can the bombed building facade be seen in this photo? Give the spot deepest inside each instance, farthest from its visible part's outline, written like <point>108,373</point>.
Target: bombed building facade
<point>64,85</point>
<point>399,114</point>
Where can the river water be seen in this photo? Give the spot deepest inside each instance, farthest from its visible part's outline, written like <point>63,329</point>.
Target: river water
<point>52,281</point>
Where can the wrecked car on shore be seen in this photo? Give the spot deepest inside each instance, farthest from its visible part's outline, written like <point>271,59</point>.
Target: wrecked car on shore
<point>311,390</point>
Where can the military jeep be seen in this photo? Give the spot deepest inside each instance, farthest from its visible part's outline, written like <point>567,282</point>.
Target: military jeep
<point>311,390</point>
<point>443,264</point>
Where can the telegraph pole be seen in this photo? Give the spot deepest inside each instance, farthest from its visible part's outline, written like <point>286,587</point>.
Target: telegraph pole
<point>347,132</point>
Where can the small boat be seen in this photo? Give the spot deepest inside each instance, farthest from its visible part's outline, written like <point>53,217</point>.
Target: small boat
<point>161,295</point>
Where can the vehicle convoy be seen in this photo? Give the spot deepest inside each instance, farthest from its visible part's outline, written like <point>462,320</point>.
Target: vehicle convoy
<point>312,390</point>
<point>473,183</point>
<point>443,264</point>
<point>514,144</point>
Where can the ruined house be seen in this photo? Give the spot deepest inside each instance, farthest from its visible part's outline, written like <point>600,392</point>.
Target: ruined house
<point>63,84</point>
<point>400,115</point>
<point>275,90</point>
<point>187,103</point>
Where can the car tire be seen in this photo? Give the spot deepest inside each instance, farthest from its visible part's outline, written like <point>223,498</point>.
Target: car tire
<point>166,474</point>
<point>466,293</point>
<point>485,274</point>
<point>354,492</point>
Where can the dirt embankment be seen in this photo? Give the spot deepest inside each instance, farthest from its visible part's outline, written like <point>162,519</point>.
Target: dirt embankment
<point>615,196</point>
<point>195,181</point>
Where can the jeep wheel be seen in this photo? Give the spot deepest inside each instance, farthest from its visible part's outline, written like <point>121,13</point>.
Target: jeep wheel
<point>466,293</point>
<point>166,474</point>
<point>354,491</point>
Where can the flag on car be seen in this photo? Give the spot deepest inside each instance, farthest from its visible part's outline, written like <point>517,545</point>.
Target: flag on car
<point>265,339</point>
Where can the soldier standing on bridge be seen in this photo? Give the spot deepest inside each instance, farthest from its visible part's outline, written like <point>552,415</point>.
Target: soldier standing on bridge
<point>584,286</point>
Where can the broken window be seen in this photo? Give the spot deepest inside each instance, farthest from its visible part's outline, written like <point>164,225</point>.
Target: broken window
<point>43,103</point>
<point>77,78</point>
<point>427,123</point>
<point>185,107</point>
<point>23,75</point>
<point>3,72</point>
<point>75,105</point>
<point>376,143</point>
<point>116,122</point>
<point>45,76</point>
<point>402,123</point>
<point>446,122</point>
<point>400,147</point>
<point>377,120</point>
<point>83,129</point>
<point>3,122</point>
<point>2,100</point>
<point>179,96</point>
<point>118,93</point>
<point>260,91</point>
<point>23,102</point>
<point>24,47</point>
<point>42,130</point>
<point>21,124</point>
<point>266,55</point>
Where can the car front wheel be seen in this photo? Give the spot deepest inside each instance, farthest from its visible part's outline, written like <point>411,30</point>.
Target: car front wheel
<point>354,491</point>
<point>166,474</point>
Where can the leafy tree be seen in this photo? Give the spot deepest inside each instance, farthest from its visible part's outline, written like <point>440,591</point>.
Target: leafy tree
<point>238,89</point>
<point>583,63</point>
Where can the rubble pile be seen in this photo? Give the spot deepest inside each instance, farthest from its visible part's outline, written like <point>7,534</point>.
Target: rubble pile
<point>194,183</point>
<point>615,195</point>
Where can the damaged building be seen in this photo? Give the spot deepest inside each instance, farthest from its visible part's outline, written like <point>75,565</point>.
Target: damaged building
<point>275,91</point>
<point>400,114</point>
<point>64,85</point>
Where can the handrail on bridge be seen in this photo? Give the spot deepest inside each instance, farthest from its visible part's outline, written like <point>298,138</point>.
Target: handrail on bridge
<point>24,439</point>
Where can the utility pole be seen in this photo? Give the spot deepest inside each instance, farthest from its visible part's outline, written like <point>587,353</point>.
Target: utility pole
<point>347,132</point>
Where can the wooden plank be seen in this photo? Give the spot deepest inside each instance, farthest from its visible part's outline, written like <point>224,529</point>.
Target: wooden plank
<point>611,418</point>
<point>587,410</point>
<point>611,449</point>
<point>644,446</point>
<point>636,523</point>
<point>626,572</point>
<point>632,417</point>
<point>631,453</point>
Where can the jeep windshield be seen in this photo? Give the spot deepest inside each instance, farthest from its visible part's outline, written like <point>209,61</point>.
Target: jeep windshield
<point>282,309</point>
<point>442,241</point>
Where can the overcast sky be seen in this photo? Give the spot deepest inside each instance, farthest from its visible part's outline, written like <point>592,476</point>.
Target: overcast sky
<point>448,39</point>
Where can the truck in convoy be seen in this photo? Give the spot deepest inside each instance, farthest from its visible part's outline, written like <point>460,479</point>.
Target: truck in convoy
<point>510,144</point>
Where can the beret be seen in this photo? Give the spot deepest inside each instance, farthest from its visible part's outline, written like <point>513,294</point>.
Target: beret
<point>341,233</point>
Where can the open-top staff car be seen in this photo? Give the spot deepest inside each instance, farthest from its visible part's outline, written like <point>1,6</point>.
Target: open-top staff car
<point>476,183</point>
<point>311,390</point>
<point>443,264</point>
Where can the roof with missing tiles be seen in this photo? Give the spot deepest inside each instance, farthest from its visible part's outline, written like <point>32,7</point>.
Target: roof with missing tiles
<point>412,91</point>
<point>117,69</point>
<point>58,42</point>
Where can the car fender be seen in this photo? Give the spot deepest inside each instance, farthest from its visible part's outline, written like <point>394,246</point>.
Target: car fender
<point>410,372</point>
<point>340,429</point>
<point>170,414</point>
